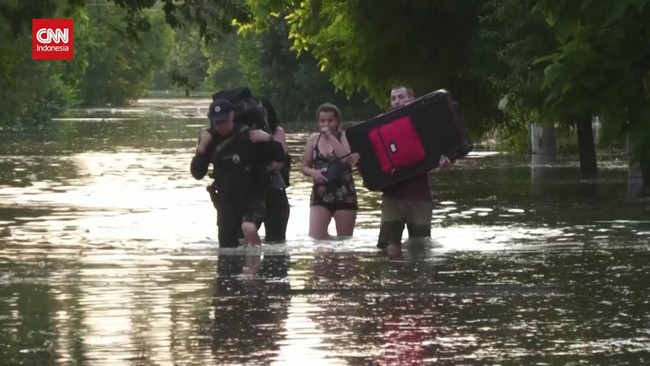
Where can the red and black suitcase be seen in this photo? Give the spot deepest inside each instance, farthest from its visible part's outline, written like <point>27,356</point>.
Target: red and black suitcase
<point>409,140</point>
<point>396,144</point>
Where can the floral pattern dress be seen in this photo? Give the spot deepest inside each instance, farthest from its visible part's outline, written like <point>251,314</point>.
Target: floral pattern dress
<point>337,192</point>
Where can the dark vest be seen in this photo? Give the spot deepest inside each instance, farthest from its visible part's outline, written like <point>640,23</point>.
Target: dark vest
<point>239,169</point>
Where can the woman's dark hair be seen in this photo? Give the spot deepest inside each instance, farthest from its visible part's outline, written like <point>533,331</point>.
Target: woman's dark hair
<point>271,114</point>
<point>273,121</point>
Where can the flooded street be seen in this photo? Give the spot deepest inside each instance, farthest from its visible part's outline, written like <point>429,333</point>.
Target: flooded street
<point>108,256</point>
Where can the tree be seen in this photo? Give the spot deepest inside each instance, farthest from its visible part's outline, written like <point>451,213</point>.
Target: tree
<point>120,69</point>
<point>601,66</point>
<point>293,81</point>
<point>373,45</point>
<point>188,65</point>
<point>213,18</point>
<point>32,92</point>
<point>225,68</point>
<point>511,39</point>
<point>359,44</point>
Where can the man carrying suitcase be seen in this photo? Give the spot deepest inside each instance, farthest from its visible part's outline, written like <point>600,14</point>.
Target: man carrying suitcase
<point>408,202</point>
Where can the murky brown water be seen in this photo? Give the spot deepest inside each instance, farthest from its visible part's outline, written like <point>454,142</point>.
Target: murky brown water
<point>108,257</point>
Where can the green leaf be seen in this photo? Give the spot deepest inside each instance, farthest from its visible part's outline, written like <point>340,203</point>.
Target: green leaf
<point>551,72</point>
<point>550,18</point>
<point>565,28</point>
<point>544,59</point>
<point>566,87</point>
<point>640,4</point>
<point>618,8</point>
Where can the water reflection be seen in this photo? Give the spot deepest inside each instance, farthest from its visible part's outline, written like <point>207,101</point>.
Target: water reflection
<point>377,308</point>
<point>250,306</point>
<point>108,256</point>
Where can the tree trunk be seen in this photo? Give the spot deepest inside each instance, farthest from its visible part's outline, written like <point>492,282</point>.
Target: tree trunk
<point>542,139</point>
<point>542,144</point>
<point>634,175</point>
<point>588,164</point>
<point>645,174</point>
<point>543,153</point>
<point>640,71</point>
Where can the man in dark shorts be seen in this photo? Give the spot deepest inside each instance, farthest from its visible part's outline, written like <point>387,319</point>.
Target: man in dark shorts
<point>239,156</point>
<point>408,202</point>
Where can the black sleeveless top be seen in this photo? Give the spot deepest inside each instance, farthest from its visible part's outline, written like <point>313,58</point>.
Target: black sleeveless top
<point>335,191</point>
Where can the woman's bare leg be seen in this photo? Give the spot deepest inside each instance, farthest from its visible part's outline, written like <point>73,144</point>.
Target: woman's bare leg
<point>319,220</point>
<point>345,221</point>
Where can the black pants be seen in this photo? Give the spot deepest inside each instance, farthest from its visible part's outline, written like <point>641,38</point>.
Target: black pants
<point>230,215</point>
<point>277,215</point>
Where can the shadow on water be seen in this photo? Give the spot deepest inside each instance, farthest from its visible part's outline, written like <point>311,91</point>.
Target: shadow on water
<point>108,256</point>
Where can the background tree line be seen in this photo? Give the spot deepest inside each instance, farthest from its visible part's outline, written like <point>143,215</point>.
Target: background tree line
<point>511,63</point>
<point>116,63</point>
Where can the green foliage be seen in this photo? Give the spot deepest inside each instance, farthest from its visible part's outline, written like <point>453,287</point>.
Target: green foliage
<point>292,81</point>
<point>188,64</point>
<point>272,69</point>
<point>213,18</point>
<point>601,65</point>
<point>121,69</point>
<point>371,46</point>
<point>225,68</point>
<point>513,137</point>
<point>511,40</point>
<point>552,60</point>
<point>31,92</point>
<point>17,15</point>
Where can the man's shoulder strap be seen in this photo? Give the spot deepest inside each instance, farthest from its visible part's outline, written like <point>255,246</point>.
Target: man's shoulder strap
<point>230,139</point>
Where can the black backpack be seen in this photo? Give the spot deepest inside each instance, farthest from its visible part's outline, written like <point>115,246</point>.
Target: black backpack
<point>248,109</point>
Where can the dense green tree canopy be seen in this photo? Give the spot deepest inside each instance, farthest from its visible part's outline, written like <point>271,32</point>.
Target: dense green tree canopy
<point>34,91</point>
<point>120,69</point>
<point>511,40</point>
<point>362,46</point>
<point>293,82</point>
<point>602,64</point>
<point>374,45</point>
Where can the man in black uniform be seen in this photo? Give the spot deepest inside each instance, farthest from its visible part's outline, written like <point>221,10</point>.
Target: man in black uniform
<point>239,156</point>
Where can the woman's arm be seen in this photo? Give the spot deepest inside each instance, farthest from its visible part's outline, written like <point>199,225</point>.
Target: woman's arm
<point>280,137</point>
<point>307,161</point>
<point>348,157</point>
<point>340,150</point>
<point>270,149</point>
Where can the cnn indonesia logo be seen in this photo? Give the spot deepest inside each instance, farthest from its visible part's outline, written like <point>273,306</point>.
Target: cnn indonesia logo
<point>52,39</point>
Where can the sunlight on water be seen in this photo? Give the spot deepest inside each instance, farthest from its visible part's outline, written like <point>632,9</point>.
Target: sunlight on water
<point>108,256</point>
<point>303,338</point>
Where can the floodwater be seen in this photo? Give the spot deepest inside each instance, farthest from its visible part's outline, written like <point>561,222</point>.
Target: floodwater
<point>108,256</point>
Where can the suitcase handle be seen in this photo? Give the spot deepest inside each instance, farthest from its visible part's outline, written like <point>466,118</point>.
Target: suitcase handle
<point>434,97</point>
<point>383,143</point>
